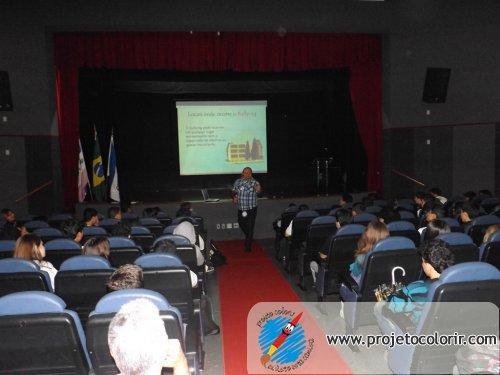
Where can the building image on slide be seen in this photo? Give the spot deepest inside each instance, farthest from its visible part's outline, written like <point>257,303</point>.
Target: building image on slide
<point>243,153</point>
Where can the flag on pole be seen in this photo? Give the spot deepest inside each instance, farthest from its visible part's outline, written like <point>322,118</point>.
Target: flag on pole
<point>98,180</point>
<point>83,177</point>
<point>114,191</point>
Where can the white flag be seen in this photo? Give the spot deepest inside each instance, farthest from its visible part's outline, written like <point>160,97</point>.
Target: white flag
<point>114,191</point>
<point>83,178</point>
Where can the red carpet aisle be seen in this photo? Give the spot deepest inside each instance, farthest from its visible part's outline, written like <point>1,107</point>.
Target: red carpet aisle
<point>247,279</point>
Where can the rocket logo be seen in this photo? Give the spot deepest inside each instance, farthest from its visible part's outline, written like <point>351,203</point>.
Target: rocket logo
<point>282,340</point>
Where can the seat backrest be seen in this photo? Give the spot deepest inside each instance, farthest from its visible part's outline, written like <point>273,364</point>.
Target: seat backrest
<point>177,239</point>
<point>342,247</point>
<point>489,204</point>
<point>373,209</point>
<point>123,251</point>
<point>301,223</point>
<point>17,275</point>
<point>364,218</point>
<point>286,217</point>
<point>109,223</point>
<point>81,282</point>
<point>490,251</point>
<point>381,262</point>
<point>322,209</point>
<point>35,224</point>
<point>462,246</point>
<point>466,282</point>
<point>164,219</point>
<point>158,260</point>
<point>58,250</point>
<point>48,338</point>
<point>319,230</point>
<point>48,234</point>
<point>105,310</point>
<point>7,248</point>
<point>479,226</point>
<point>169,229</point>
<point>406,229</point>
<point>174,283</point>
<point>94,231</point>
<point>154,225</point>
<point>380,202</point>
<point>142,237</point>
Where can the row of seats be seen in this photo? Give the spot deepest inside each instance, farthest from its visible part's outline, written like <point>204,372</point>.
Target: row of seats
<point>81,283</point>
<point>122,250</point>
<point>41,334</point>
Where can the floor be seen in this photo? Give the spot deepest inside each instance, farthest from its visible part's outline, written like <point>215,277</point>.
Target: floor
<point>362,362</point>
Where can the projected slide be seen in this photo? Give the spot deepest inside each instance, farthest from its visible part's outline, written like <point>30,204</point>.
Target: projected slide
<point>221,137</point>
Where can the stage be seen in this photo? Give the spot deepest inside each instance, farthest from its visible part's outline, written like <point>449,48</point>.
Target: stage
<point>221,217</point>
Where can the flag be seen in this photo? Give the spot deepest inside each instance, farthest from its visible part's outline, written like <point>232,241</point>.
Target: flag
<point>114,191</point>
<point>83,177</point>
<point>98,180</point>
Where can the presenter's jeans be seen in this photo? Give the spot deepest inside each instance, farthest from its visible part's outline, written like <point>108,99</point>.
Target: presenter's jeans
<point>247,225</point>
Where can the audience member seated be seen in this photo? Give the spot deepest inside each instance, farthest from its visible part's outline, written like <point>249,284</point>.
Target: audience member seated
<point>122,229</point>
<point>388,215</point>
<point>128,276</point>
<point>139,343</point>
<point>30,247</point>
<point>184,210</point>
<point>435,228</point>
<point>424,202</point>
<point>437,194</point>
<point>469,196</point>
<point>151,211</point>
<point>467,212</point>
<point>436,257</point>
<point>432,212</point>
<point>11,230</point>
<point>357,209</point>
<point>345,200</point>
<point>166,246</point>
<point>187,230</point>
<point>90,217</point>
<point>374,232</point>
<point>72,229</point>
<point>343,217</point>
<point>490,231</point>
<point>114,212</point>
<point>98,246</point>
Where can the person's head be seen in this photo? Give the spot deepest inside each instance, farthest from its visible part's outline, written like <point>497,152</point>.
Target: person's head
<point>29,247</point>
<point>357,209</point>
<point>435,192</point>
<point>345,199</point>
<point>434,212</point>
<point>128,276</point>
<point>343,217</point>
<point>90,216</point>
<point>469,195</point>
<point>490,231</point>
<point>485,193</point>
<point>246,173</point>
<point>9,215</point>
<point>374,232</point>
<point>150,211</point>
<point>435,228</point>
<point>185,209</point>
<point>137,338</point>
<point>388,215</point>
<point>468,212</point>
<point>186,206</point>
<point>303,207</point>
<point>73,229</point>
<point>436,257</point>
<point>121,229</point>
<point>164,246</point>
<point>420,198</point>
<point>97,246</point>
<point>115,212</point>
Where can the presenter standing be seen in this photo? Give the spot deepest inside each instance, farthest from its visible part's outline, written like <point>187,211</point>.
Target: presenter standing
<point>245,192</point>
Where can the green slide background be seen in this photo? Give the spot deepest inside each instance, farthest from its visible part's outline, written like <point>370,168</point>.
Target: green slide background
<point>205,129</point>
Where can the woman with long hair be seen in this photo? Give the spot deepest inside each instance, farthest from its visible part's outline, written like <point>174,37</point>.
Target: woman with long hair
<point>374,232</point>
<point>30,247</point>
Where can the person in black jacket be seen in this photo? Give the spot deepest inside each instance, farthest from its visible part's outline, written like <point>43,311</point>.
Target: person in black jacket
<point>12,229</point>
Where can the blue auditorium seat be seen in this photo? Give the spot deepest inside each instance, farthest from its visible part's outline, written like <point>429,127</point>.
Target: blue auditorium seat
<point>17,275</point>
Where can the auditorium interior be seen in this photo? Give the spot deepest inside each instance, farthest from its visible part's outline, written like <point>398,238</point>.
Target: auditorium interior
<point>268,180</point>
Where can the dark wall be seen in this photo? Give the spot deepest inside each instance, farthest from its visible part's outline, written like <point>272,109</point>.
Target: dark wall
<point>461,35</point>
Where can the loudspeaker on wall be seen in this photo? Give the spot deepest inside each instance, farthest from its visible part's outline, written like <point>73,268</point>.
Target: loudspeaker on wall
<point>436,85</point>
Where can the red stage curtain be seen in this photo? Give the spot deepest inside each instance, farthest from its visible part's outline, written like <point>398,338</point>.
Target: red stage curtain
<point>240,52</point>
